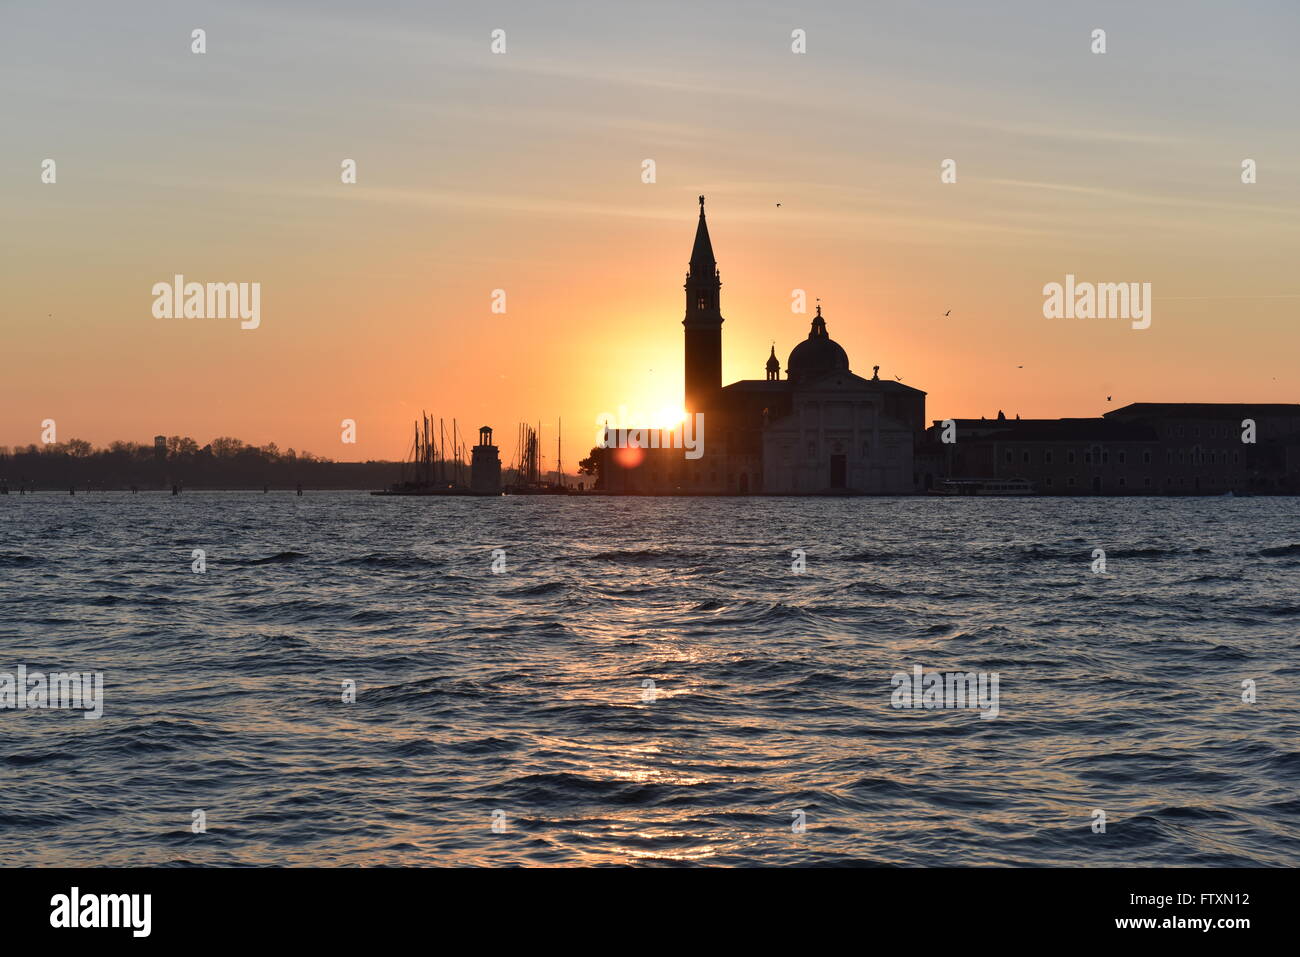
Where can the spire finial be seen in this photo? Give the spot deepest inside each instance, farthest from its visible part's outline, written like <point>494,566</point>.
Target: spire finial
<point>701,204</point>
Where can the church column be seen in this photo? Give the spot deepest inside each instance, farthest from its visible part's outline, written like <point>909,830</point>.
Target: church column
<point>876,452</point>
<point>823,458</point>
<point>856,454</point>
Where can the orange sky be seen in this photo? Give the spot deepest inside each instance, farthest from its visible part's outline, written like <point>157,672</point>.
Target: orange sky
<point>523,172</point>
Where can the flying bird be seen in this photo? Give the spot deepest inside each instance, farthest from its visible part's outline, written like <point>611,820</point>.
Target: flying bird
<point>946,313</point>
<point>899,378</point>
<point>1107,398</point>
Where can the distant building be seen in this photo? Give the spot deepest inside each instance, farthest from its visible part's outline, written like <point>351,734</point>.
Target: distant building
<point>1147,448</point>
<point>820,430</point>
<point>160,446</point>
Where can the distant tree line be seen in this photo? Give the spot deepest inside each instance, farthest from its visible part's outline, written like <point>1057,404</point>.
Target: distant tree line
<point>180,461</point>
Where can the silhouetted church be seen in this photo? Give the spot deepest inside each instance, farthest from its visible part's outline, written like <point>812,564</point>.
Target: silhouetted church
<point>820,430</point>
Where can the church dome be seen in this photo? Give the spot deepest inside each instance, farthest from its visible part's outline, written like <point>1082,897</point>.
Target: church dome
<point>818,354</point>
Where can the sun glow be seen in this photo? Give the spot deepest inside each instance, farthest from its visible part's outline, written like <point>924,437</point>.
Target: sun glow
<point>670,417</point>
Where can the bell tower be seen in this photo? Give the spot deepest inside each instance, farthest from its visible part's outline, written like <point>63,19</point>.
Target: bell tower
<point>703,323</point>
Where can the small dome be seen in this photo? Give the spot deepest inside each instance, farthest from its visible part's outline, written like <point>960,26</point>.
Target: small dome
<point>817,354</point>
<point>773,363</point>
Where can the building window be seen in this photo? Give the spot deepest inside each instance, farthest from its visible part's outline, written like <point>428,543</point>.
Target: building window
<point>1069,457</point>
<point>1009,456</point>
<point>1123,457</point>
<point>1146,458</point>
<point>1047,458</point>
<point>1070,481</point>
<point>812,450</point>
<point>1235,457</point>
<point>1169,457</point>
<point>1087,458</point>
<point>1123,481</point>
<point>1147,481</point>
<point>1025,457</point>
<point>1105,458</point>
<point>1048,481</point>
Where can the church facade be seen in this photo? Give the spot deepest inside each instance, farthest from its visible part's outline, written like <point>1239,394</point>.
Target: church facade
<point>820,430</point>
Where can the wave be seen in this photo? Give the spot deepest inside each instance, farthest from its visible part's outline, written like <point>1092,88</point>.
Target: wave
<point>1085,554</point>
<point>1279,551</point>
<point>389,560</point>
<point>650,556</point>
<point>279,558</point>
<point>17,560</point>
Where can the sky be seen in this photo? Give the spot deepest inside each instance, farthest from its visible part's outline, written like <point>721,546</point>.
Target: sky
<point>523,171</point>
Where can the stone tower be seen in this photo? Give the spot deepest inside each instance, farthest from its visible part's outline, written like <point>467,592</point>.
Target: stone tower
<point>485,465</point>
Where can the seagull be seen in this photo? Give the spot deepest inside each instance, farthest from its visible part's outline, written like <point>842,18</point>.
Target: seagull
<point>946,313</point>
<point>1107,398</point>
<point>899,378</point>
<point>1019,367</point>
<point>778,204</point>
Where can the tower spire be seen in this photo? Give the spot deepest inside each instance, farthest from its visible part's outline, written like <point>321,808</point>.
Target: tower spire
<point>702,261</point>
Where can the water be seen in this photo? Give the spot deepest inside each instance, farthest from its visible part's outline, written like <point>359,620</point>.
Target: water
<point>522,692</point>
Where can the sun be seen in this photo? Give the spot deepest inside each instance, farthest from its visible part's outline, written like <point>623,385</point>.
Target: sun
<point>670,417</point>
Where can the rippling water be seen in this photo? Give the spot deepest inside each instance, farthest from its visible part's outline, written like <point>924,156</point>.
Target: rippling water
<point>522,692</point>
